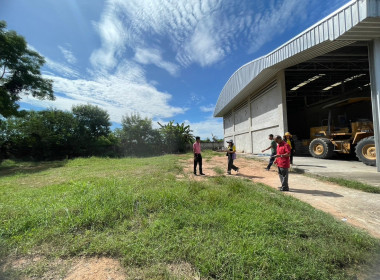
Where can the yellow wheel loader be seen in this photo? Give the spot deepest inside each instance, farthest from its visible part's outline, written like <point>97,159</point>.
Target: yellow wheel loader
<point>327,140</point>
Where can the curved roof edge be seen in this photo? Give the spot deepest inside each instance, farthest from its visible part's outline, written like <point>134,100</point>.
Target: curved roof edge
<point>358,20</point>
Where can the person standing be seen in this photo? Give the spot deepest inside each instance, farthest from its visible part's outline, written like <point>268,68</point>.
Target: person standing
<point>197,155</point>
<point>283,162</point>
<point>231,153</point>
<point>273,150</point>
<point>289,139</point>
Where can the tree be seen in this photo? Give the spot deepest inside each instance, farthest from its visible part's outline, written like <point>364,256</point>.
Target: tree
<point>39,135</point>
<point>93,121</point>
<point>19,72</point>
<point>93,126</point>
<point>138,136</point>
<point>176,136</point>
<point>56,133</point>
<point>51,134</point>
<point>215,139</point>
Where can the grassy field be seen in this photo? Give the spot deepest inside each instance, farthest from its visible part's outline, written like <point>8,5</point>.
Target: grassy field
<point>146,212</point>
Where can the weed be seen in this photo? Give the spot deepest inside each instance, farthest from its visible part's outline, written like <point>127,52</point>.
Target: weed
<point>218,170</point>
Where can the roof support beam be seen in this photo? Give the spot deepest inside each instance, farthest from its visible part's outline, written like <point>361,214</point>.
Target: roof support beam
<point>361,70</point>
<point>374,62</point>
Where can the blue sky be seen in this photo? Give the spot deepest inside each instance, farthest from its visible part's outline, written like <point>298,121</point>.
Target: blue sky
<point>164,59</point>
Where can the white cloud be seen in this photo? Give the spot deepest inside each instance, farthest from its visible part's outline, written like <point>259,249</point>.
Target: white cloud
<point>203,47</point>
<point>60,103</point>
<point>112,34</point>
<point>57,67</point>
<point>206,109</point>
<point>61,69</point>
<point>280,17</point>
<point>69,56</point>
<point>210,126</point>
<point>183,23</point>
<point>153,56</point>
<point>122,93</point>
<point>196,99</point>
<point>197,31</point>
<point>190,31</point>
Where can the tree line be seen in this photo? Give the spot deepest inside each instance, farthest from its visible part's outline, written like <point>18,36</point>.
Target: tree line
<point>56,134</point>
<point>86,131</point>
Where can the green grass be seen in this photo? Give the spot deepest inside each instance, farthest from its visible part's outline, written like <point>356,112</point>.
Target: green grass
<point>209,154</point>
<point>137,211</point>
<point>218,170</point>
<point>347,183</point>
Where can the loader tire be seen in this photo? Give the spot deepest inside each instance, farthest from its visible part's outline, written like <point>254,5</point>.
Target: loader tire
<point>321,148</point>
<point>366,151</point>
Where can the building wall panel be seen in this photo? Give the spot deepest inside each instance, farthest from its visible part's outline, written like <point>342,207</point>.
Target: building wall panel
<point>265,109</point>
<point>242,118</point>
<point>268,114</point>
<point>260,138</point>
<point>228,123</point>
<point>243,143</point>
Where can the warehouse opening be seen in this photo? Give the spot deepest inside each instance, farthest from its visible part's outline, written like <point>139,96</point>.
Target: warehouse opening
<point>329,104</point>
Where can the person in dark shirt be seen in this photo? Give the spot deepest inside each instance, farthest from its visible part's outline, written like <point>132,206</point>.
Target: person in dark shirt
<point>288,138</point>
<point>273,150</point>
<point>231,153</point>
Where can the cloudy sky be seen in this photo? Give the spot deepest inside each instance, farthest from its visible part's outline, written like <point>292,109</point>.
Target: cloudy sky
<point>164,59</point>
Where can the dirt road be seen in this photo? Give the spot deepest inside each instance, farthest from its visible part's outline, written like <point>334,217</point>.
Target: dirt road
<point>355,207</point>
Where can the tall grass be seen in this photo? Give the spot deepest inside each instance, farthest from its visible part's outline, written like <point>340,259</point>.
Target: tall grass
<point>137,211</point>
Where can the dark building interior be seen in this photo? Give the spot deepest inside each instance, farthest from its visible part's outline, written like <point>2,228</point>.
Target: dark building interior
<point>335,87</point>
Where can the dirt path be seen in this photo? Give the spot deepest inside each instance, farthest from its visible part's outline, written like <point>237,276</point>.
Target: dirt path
<point>357,208</point>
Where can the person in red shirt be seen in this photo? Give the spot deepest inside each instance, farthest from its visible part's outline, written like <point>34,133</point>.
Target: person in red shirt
<point>197,155</point>
<point>283,162</point>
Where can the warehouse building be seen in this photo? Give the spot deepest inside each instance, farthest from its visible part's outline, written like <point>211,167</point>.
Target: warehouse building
<point>332,66</point>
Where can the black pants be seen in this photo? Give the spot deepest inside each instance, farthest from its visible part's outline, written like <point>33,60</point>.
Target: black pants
<point>291,156</point>
<point>231,163</point>
<point>198,159</point>
<point>283,173</point>
<point>271,160</point>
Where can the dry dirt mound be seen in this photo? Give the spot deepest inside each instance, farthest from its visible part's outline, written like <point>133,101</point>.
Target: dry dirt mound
<point>96,269</point>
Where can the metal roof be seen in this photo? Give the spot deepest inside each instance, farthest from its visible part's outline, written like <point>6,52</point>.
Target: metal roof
<point>358,20</point>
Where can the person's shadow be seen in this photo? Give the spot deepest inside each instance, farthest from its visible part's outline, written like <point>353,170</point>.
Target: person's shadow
<point>316,192</point>
<point>248,177</point>
<point>311,165</point>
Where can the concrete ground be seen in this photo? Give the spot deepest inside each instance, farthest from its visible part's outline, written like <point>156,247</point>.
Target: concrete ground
<point>337,168</point>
